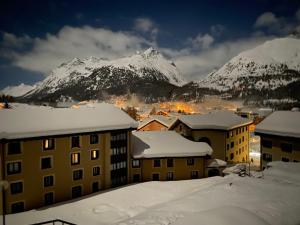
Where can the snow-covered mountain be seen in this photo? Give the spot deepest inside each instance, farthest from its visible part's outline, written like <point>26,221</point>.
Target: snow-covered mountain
<point>88,77</point>
<point>18,90</point>
<point>274,64</point>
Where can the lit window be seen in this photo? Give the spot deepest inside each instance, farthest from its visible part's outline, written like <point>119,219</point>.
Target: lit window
<point>94,154</point>
<point>75,158</point>
<point>48,144</point>
<point>135,163</point>
<point>13,168</point>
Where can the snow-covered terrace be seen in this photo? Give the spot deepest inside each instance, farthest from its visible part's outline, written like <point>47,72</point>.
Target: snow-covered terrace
<point>27,122</point>
<point>152,144</point>
<point>218,120</point>
<point>281,123</point>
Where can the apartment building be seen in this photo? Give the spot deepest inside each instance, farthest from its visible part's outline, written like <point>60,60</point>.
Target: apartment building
<point>52,155</point>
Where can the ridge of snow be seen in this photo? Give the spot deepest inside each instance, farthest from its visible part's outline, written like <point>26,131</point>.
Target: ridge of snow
<point>17,90</point>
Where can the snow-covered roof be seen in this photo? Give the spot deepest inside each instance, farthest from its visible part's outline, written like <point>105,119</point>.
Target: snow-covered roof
<point>26,122</point>
<point>281,123</point>
<point>152,144</point>
<point>218,120</point>
<point>217,163</point>
<point>164,120</point>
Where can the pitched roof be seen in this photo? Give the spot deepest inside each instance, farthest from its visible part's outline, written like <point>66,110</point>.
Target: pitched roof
<point>281,123</point>
<point>217,120</point>
<point>166,121</point>
<point>26,122</point>
<point>153,144</point>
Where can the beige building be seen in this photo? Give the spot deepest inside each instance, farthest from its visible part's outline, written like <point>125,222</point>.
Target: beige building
<point>226,132</point>
<point>52,155</point>
<point>166,155</point>
<point>280,137</point>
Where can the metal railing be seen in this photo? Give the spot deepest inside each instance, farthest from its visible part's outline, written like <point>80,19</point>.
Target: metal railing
<point>54,222</point>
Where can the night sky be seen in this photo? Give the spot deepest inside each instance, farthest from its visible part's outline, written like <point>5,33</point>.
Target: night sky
<point>199,36</point>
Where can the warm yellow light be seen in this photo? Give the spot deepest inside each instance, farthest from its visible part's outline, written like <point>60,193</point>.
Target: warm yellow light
<point>46,143</point>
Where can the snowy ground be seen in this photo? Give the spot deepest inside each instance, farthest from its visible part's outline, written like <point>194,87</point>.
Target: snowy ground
<point>273,199</point>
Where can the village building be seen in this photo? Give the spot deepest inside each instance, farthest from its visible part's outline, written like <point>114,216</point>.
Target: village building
<point>156,123</point>
<point>280,137</point>
<point>226,132</point>
<point>51,155</point>
<point>166,155</point>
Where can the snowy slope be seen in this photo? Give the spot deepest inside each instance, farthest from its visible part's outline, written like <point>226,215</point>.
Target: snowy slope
<point>268,66</point>
<point>18,90</point>
<point>271,200</point>
<point>77,70</point>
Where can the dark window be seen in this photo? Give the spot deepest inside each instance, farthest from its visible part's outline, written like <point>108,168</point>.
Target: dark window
<point>267,157</point>
<point>240,141</point>
<point>243,138</point>
<point>95,186</point>
<point>232,144</point>
<point>46,163</point>
<point>286,147</point>
<point>236,131</point>
<point>48,181</point>
<point>156,162</point>
<point>284,159</point>
<point>17,207</point>
<point>94,154</point>
<point>190,161</point>
<point>136,178</point>
<point>77,174</point>
<point>231,156</point>
<point>266,143</point>
<point>170,176</point>
<point>135,163</point>
<point>16,187</point>
<point>94,139</point>
<point>170,163</point>
<point>75,158</point>
<point>227,134</point>
<point>76,191</point>
<point>96,171</point>
<point>13,168</point>
<point>14,148</point>
<point>194,174</point>
<point>49,198</point>
<point>75,142</point>
<point>48,144</point>
<point>227,146</point>
<point>155,177</point>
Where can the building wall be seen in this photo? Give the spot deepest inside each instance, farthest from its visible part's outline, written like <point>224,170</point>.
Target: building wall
<point>180,169</point>
<point>276,151</point>
<point>152,126</point>
<point>33,176</point>
<point>219,139</point>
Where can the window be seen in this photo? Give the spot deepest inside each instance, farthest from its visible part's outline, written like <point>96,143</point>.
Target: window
<point>246,128</point>
<point>17,207</point>
<point>231,133</point>
<point>156,162</point>
<point>49,198</point>
<point>135,163</point>
<point>232,144</point>
<point>136,178</point>
<point>284,159</point>
<point>266,143</point>
<point>155,177</point>
<point>240,141</point>
<point>190,161</point>
<point>48,181</point>
<point>227,134</point>
<point>75,158</point>
<point>14,148</point>
<point>13,168</point>
<point>77,174</point>
<point>243,138</point>
<point>75,142</point>
<point>76,191</point>
<point>239,150</point>
<point>94,154</point>
<point>286,147</point>
<point>170,163</point>
<point>236,131</point>
<point>227,146</point>
<point>48,144</point>
<point>94,139</point>
<point>170,176</point>
<point>267,157</point>
<point>96,171</point>
<point>95,186</point>
<point>46,163</point>
<point>16,187</point>
<point>231,156</point>
<point>243,129</point>
<point>194,174</point>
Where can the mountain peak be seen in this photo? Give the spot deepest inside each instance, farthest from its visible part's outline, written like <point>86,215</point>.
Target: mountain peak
<point>150,52</point>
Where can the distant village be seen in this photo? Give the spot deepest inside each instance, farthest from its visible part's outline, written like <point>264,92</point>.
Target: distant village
<point>50,155</point>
